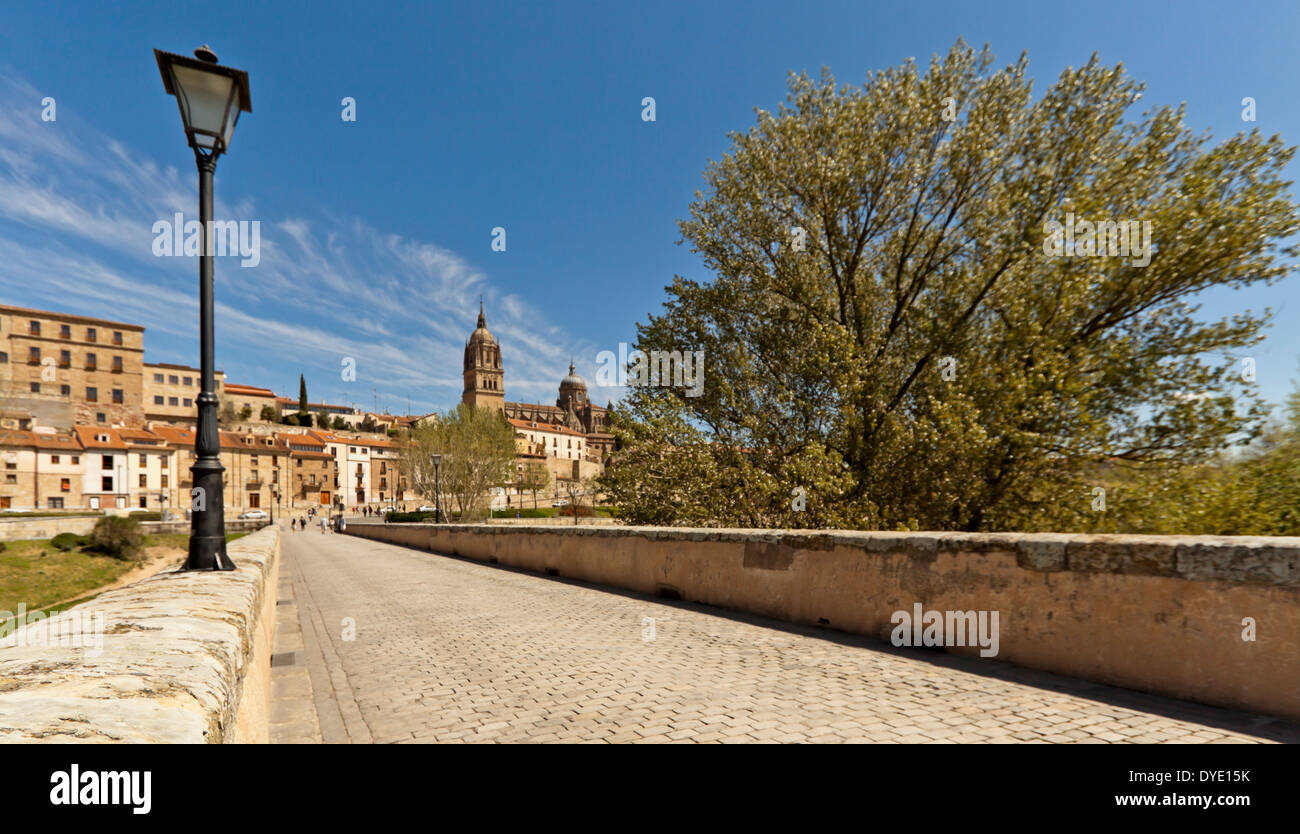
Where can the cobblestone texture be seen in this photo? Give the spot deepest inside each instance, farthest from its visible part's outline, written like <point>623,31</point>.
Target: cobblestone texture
<point>448,650</point>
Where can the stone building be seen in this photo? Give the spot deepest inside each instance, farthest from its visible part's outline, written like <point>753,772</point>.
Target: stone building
<point>171,392</point>
<point>68,370</point>
<point>41,470</point>
<point>573,410</point>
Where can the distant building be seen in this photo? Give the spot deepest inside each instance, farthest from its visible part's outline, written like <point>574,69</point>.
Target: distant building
<point>66,370</point>
<point>171,392</point>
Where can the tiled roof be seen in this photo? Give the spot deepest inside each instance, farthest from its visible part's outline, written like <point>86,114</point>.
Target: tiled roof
<point>538,425</point>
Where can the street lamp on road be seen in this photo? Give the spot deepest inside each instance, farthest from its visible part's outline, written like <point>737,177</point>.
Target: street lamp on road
<point>210,98</point>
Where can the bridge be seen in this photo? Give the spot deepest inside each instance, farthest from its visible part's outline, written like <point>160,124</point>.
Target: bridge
<point>499,634</point>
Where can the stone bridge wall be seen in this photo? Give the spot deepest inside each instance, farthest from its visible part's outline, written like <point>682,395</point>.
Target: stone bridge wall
<point>1157,613</point>
<point>181,657</point>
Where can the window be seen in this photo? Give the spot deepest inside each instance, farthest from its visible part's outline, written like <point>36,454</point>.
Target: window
<point>34,327</point>
<point>189,380</point>
<point>144,459</point>
<point>252,460</point>
<point>117,364</point>
<point>157,400</point>
<point>164,480</point>
<point>11,479</point>
<point>90,335</point>
<point>33,356</point>
<point>92,395</point>
<point>65,358</point>
<point>76,460</point>
<point>54,503</point>
<point>172,401</point>
<point>54,458</point>
<point>143,480</point>
<point>119,396</point>
<point>65,485</point>
<point>172,380</point>
<point>106,462</point>
<point>92,361</point>
<point>9,464</point>
<point>100,418</point>
<point>4,357</point>
<point>65,331</point>
<point>106,483</point>
<point>143,504</point>
<point>117,337</point>
<point>187,402</point>
<point>36,388</point>
<point>158,377</point>
<point>65,390</point>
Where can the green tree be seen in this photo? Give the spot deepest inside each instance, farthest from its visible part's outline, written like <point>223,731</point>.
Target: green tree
<point>535,478</point>
<point>269,414</point>
<point>245,413</point>
<point>302,399</point>
<point>323,420</point>
<point>477,447</point>
<point>889,333</point>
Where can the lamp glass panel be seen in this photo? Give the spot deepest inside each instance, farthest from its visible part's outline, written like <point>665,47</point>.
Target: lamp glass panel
<point>205,100</point>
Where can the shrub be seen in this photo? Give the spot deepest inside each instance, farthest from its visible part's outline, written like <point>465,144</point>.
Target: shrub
<point>117,536</point>
<point>68,541</point>
<point>399,518</point>
<point>583,511</point>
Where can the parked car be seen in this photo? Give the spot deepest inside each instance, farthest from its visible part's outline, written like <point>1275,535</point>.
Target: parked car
<point>253,514</point>
<point>426,509</point>
<point>563,502</point>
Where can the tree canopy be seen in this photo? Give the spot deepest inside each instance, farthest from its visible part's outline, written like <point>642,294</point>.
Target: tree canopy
<point>891,340</point>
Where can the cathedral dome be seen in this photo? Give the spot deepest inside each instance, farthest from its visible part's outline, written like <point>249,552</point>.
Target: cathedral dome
<point>573,380</point>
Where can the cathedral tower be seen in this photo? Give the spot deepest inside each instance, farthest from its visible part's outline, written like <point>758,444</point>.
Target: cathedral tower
<point>484,378</point>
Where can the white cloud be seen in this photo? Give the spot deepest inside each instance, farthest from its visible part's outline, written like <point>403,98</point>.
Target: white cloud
<point>76,235</point>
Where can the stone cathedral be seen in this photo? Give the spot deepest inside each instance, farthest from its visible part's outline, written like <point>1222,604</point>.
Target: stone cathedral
<point>485,387</point>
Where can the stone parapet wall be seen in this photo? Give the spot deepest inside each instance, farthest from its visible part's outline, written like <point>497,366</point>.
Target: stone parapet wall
<point>181,657</point>
<point>1164,614</point>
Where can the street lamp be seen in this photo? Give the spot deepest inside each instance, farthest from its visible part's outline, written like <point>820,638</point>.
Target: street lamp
<point>210,98</point>
<point>437,490</point>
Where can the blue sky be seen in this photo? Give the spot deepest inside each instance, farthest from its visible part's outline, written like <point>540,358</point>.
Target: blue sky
<point>376,234</point>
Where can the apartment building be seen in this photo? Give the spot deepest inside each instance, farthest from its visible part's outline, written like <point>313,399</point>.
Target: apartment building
<point>171,392</point>
<point>66,370</point>
<point>41,470</point>
<point>313,476</point>
<point>250,399</point>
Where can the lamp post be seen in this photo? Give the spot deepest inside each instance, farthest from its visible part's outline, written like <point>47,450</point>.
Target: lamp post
<point>437,490</point>
<point>210,98</point>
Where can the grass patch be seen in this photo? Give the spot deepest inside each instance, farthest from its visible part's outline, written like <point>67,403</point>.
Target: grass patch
<point>37,574</point>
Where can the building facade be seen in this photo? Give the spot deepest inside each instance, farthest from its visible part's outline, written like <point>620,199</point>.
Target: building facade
<point>68,370</point>
<point>171,392</point>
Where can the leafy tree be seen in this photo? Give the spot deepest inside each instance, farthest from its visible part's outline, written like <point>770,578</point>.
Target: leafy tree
<point>269,414</point>
<point>478,449</point>
<point>245,413</point>
<point>889,334</point>
<point>339,423</point>
<point>323,420</point>
<point>535,478</point>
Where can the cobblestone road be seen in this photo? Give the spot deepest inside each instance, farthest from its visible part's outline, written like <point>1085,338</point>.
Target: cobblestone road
<point>449,650</point>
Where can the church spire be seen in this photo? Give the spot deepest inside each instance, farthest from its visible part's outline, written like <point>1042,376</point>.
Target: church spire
<point>482,321</point>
